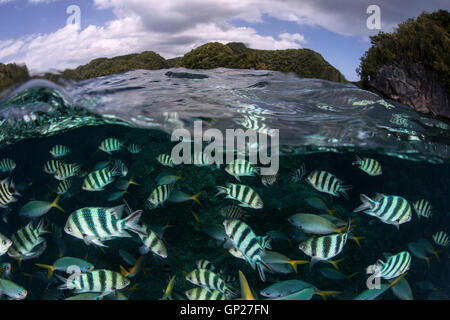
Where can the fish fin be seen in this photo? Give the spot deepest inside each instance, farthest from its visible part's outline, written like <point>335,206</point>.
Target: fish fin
<point>143,250</point>
<point>246,292</point>
<point>367,203</point>
<point>357,240</point>
<point>349,277</point>
<point>357,161</point>
<point>124,271</point>
<point>41,227</point>
<point>197,220</point>
<point>313,261</point>
<point>396,280</point>
<point>50,269</point>
<point>195,196</point>
<point>169,288</point>
<point>294,263</point>
<point>335,263</point>
<point>55,204</point>
<point>325,294</point>
<point>221,190</point>
<point>131,223</point>
<point>90,239</point>
<point>117,211</point>
<point>343,191</point>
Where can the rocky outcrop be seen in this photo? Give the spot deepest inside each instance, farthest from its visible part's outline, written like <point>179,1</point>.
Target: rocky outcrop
<point>414,85</point>
<point>11,74</point>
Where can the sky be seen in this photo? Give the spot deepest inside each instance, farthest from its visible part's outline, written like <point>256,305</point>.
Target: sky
<point>46,36</point>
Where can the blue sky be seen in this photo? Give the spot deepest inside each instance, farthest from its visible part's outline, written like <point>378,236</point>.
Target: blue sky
<point>34,32</point>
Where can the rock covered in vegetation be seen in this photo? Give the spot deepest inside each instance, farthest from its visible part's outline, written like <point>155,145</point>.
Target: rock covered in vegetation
<point>412,64</point>
<point>11,74</point>
<point>304,62</point>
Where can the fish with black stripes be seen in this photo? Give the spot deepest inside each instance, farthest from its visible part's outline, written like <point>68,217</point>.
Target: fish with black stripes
<point>165,160</point>
<point>152,242</point>
<point>395,266</point>
<point>204,294</point>
<point>441,239</point>
<point>209,280</point>
<point>370,166</point>
<point>423,208</point>
<point>7,192</point>
<point>98,224</point>
<point>326,182</point>
<point>51,166</point>
<point>248,244</point>
<point>110,145</point>
<point>66,171</point>
<point>298,174</point>
<point>325,247</point>
<point>27,242</point>
<point>7,165</point>
<point>99,179</point>
<point>59,151</point>
<point>241,168</point>
<point>233,212</point>
<point>389,209</point>
<point>134,148</point>
<point>244,194</point>
<point>102,280</point>
<point>64,186</point>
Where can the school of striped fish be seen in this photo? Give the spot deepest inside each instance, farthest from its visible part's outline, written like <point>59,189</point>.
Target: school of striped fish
<point>323,238</point>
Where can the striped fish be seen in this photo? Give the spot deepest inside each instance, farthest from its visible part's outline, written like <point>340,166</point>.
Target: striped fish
<point>105,281</point>
<point>121,167</point>
<point>59,151</point>
<point>26,240</point>
<point>7,192</point>
<point>204,294</point>
<point>395,266</point>
<point>393,210</point>
<point>110,145</point>
<point>97,180</point>
<point>242,193</point>
<point>5,243</point>
<point>326,182</point>
<point>63,186</point>
<point>134,148</point>
<point>165,160</point>
<point>268,180</point>
<point>298,174</point>
<point>97,224</point>
<point>7,165</point>
<point>66,171</point>
<point>205,264</point>
<point>160,195</point>
<point>441,238</point>
<point>51,166</point>
<point>370,166</point>
<point>151,242</point>
<point>423,208</point>
<point>241,168</point>
<point>233,212</point>
<point>324,248</point>
<point>201,159</point>
<point>248,244</point>
<point>209,280</point>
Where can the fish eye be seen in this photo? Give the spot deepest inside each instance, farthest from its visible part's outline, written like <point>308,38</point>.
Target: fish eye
<point>4,242</point>
<point>69,229</point>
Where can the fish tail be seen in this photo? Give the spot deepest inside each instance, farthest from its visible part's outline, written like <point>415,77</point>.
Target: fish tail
<point>50,269</point>
<point>221,190</point>
<point>331,211</point>
<point>367,203</point>
<point>357,240</point>
<point>131,223</point>
<point>246,292</point>
<point>325,294</point>
<point>349,277</point>
<point>197,221</point>
<point>55,204</point>
<point>131,181</point>
<point>294,263</point>
<point>436,254</point>
<point>195,196</point>
<point>335,263</point>
<point>169,288</point>
<point>124,271</point>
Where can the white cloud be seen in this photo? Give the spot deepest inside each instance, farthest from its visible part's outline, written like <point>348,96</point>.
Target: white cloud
<point>173,27</point>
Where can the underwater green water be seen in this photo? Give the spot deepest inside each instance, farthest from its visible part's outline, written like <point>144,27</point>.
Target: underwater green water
<point>412,180</point>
